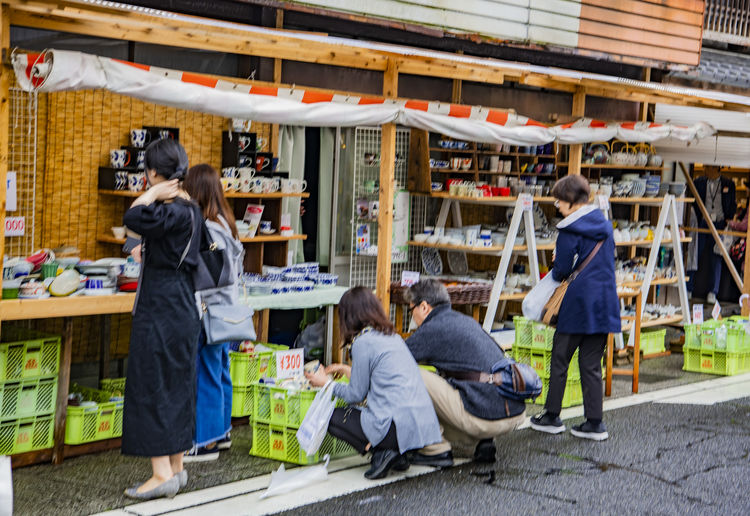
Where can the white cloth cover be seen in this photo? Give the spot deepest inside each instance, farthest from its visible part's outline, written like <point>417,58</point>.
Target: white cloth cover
<point>60,70</point>
<point>534,302</point>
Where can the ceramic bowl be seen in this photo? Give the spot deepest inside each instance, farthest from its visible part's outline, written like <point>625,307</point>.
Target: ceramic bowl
<point>639,188</point>
<point>677,188</point>
<point>421,237</point>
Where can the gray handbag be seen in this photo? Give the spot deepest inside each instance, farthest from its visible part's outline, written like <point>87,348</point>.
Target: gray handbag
<point>224,323</point>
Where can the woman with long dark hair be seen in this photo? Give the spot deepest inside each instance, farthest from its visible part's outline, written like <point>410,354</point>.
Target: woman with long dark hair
<point>399,415</point>
<point>159,409</point>
<point>213,406</point>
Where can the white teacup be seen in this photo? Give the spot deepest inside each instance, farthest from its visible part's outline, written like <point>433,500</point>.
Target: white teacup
<point>119,231</point>
<point>119,158</point>
<point>245,180</point>
<point>139,137</point>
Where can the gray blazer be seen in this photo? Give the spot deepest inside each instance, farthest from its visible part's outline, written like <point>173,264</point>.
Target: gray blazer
<point>384,372</point>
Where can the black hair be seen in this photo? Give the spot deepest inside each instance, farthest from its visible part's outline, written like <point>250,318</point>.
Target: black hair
<point>168,158</point>
<point>429,290</point>
<point>573,189</point>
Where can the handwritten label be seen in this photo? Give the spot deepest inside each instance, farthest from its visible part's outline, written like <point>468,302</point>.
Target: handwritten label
<point>716,312</point>
<point>289,363</point>
<point>527,202</point>
<point>15,226</point>
<point>409,278</point>
<point>697,314</point>
<point>11,192</point>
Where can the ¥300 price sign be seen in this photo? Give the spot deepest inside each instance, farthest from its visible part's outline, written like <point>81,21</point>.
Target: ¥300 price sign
<point>289,363</point>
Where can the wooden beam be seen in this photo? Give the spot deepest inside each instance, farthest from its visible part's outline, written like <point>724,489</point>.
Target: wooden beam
<point>643,112</point>
<point>5,77</point>
<point>387,176</point>
<point>575,151</point>
<point>714,233</point>
<point>457,87</point>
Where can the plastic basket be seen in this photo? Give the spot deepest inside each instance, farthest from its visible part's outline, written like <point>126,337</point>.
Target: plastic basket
<point>541,362</point>
<point>280,443</point>
<point>28,398</point>
<point>573,393</point>
<point>26,354</point>
<point>692,336</point>
<point>722,362</point>
<point>279,406</point>
<point>28,434</point>
<point>692,359</point>
<point>652,341</point>
<point>708,334</point>
<point>542,336</point>
<point>247,368</point>
<point>242,401</point>
<point>96,422</point>
<point>113,385</point>
<point>738,340</point>
<point>522,327</point>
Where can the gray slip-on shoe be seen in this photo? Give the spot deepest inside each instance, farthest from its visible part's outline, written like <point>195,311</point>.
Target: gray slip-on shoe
<point>182,475</point>
<point>167,489</point>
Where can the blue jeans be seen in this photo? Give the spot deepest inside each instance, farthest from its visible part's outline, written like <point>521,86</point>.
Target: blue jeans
<point>213,407</point>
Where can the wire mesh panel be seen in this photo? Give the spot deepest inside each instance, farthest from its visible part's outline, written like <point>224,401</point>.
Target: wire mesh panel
<point>365,192</point>
<point>22,163</point>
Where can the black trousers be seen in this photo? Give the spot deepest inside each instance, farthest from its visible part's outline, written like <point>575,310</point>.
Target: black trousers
<point>591,350</point>
<point>345,425</point>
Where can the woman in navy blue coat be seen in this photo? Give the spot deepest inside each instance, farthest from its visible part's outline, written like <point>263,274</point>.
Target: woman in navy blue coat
<point>590,309</point>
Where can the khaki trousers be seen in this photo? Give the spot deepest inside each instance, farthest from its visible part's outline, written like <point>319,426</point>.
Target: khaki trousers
<point>456,424</point>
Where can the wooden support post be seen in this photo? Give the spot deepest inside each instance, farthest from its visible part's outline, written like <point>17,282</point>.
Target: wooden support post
<point>457,91</point>
<point>714,233</point>
<point>5,78</point>
<point>63,384</point>
<point>745,307</point>
<point>643,112</point>
<point>387,176</point>
<point>579,110</point>
<point>277,63</point>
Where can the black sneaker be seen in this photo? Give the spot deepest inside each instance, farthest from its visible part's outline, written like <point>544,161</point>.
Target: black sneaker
<point>588,430</point>
<point>544,422</point>
<point>485,451</point>
<point>201,454</point>
<point>225,443</point>
<point>441,460</point>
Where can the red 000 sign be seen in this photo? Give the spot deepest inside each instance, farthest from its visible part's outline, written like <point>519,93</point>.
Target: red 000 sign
<point>15,226</point>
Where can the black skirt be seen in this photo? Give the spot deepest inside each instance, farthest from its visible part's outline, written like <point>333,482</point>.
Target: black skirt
<point>159,409</point>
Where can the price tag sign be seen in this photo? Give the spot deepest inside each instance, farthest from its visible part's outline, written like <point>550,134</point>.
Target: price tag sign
<point>527,202</point>
<point>15,226</point>
<point>11,192</point>
<point>697,314</point>
<point>289,363</point>
<point>409,278</point>
<point>716,312</point>
<point>603,202</point>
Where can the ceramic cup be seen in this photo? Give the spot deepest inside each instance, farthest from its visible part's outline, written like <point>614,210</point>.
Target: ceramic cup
<point>245,180</point>
<point>118,231</point>
<point>227,183</point>
<point>471,237</point>
<point>494,164</point>
<point>298,185</point>
<point>506,166</point>
<point>271,184</point>
<point>466,163</point>
<point>246,161</point>
<point>139,137</point>
<point>260,144</point>
<point>256,184</point>
<point>455,163</point>
<point>136,181</point>
<point>265,226</point>
<point>121,180</point>
<point>244,142</point>
<point>165,133</point>
<point>261,162</point>
<point>119,158</point>
<point>140,160</point>
<point>230,172</point>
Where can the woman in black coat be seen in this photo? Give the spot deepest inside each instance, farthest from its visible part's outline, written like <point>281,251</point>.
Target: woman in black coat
<point>159,411</point>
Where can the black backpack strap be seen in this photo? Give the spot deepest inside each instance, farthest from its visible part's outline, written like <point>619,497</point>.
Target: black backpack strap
<point>190,240</point>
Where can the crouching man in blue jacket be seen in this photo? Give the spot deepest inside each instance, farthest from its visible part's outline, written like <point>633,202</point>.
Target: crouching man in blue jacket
<point>469,412</point>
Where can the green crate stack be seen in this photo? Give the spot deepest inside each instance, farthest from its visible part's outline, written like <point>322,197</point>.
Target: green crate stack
<point>245,369</point>
<point>29,366</point>
<point>652,341</point>
<point>522,345</point>
<point>710,353</point>
<point>96,422</point>
<point>114,385</point>
<point>573,393</point>
<point>541,362</point>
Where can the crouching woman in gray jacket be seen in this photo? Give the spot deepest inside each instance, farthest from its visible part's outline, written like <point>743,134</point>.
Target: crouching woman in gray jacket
<point>398,415</point>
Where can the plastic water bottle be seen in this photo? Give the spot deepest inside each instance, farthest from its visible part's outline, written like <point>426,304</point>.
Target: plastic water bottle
<point>721,337</point>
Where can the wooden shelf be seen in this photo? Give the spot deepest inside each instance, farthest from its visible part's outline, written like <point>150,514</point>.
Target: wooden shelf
<point>515,154</point>
<point>639,284</point>
<point>462,151</point>
<point>635,243</point>
<point>646,200</point>
<point>494,250</point>
<point>272,238</point>
<point>19,309</point>
<point>665,321</point>
<point>451,171</point>
<point>229,195</point>
<point>110,239</point>
<point>620,167</point>
<point>497,201</point>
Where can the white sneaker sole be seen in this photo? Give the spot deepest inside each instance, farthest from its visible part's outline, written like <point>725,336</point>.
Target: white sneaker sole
<point>201,458</point>
<point>547,429</point>
<point>588,435</point>
<point>224,446</point>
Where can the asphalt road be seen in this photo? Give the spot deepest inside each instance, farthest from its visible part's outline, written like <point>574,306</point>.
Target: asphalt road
<point>660,459</point>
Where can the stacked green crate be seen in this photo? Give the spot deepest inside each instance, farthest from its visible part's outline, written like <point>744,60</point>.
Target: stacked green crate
<point>245,369</point>
<point>29,365</point>
<point>652,341</point>
<point>725,347</point>
<point>103,420</point>
<point>533,346</point>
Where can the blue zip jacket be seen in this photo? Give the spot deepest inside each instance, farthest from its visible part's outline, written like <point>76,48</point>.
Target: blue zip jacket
<point>590,305</point>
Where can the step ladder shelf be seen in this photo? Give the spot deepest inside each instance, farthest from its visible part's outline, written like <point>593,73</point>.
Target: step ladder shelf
<point>664,321</point>
<point>492,251</point>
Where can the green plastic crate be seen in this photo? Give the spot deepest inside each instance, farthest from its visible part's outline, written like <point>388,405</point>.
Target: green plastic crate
<point>708,334</point>
<point>573,393</point>
<point>28,434</point>
<point>522,327</point>
<point>28,398</point>
<point>738,340</point>
<point>692,336</point>
<point>542,336</point>
<point>726,363</point>
<point>247,368</point>
<point>242,401</point>
<point>692,359</point>
<point>113,385</point>
<point>26,354</point>
<point>280,443</point>
<point>94,423</point>
<point>652,341</point>
<point>279,406</point>
<point>541,362</point>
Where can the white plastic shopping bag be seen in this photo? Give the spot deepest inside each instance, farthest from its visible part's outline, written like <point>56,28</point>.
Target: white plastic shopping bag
<point>315,425</point>
<point>6,487</point>
<point>534,302</point>
<point>283,481</point>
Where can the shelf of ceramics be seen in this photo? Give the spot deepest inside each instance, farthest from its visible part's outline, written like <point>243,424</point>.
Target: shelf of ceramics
<point>620,167</point>
<point>663,321</point>
<point>19,309</point>
<point>646,200</point>
<point>275,195</point>
<point>486,201</point>
<point>462,151</point>
<point>452,171</point>
<point>656,282</point>
<point>272,238</point>
<point>518,154</point>
<point>493,250</point>
<point>647,243</point>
